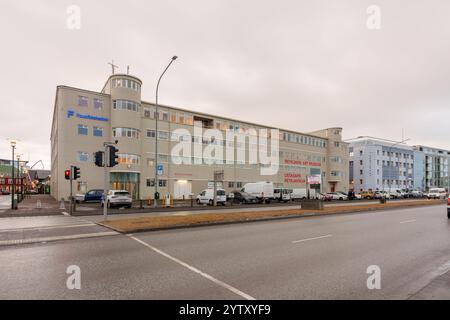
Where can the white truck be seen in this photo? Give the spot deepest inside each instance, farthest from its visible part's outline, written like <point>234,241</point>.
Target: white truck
<point>263,190</point>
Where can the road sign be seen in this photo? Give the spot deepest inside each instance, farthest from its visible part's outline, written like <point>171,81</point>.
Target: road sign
<point>160,169</point>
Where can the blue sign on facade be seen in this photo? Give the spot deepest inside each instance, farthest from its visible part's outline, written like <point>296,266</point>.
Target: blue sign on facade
<point>71,113</point>
<point>160,169</point>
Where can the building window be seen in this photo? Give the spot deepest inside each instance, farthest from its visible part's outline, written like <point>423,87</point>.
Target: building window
<point>126,105</point>
<point>150,182</point>
<point>98,104</point>
<point>238,184</point>
<point>98,132</point>
<point>82,156</point>
<point>163,135</point>
<point>82,130</point>
<point>163,158</point>
<point>83,101</point>
<point>150,162</point>
<point>151,133</point>
<point>129,159</point>
<point>126,83</point>
<point>82,187</point>
<point>162,183</point>
<point>230,184</point>
<point>126,132</point>
<point>335,173</point>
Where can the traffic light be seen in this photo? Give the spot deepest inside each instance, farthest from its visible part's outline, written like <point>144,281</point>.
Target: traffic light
<point>67,174</point>
<point>113,156</point>
<point>98,156</point>
<point>76,173</point>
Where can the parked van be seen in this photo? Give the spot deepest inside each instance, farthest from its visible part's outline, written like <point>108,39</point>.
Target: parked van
<point>263,191</point>
<point>282,194</point>
<point>206,197</point>
<point>302,193</point>
<point>437,193</point>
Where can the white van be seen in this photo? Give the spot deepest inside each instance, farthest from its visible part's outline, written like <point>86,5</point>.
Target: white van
<point>299,194</point>
<point>263,191</point>
<point>206,197</point>
<point>302,194</point>
<point>437,193</point>
<point>282,194</point>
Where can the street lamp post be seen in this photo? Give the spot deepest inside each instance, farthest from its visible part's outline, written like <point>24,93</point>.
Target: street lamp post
<point>13,147</point>
<point>156,129</point>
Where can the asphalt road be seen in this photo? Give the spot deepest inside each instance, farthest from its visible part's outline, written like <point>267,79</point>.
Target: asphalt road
<point>306,258</point>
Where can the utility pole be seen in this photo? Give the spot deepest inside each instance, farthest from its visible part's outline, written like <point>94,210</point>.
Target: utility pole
<point>71,191</point>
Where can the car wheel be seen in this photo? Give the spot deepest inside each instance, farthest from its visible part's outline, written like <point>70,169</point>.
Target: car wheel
<point>244,201</point>
<point>198,201</point>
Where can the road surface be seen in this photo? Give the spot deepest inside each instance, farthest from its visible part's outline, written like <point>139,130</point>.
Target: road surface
<point>307,258</point>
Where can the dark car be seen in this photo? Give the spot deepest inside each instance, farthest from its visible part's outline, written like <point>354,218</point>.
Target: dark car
<point>243,197</point>
<point>90,196</point>
<point>5,193</point>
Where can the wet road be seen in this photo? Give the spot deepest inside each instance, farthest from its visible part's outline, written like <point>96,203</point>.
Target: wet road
<point>308,258</point>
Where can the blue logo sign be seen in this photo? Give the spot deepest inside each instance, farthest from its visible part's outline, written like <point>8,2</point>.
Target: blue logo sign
<point>71,113</point>
<point>160,169</point>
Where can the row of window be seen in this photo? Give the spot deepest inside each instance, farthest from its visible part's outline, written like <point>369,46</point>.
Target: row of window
<point>126,132</point>
<point>307,140</point>
<point>386,153</point>
<point>83,101</point>
<point>84,131</point>
<point>394,183</point>
<point>126,105</point>
<point>126,83</point>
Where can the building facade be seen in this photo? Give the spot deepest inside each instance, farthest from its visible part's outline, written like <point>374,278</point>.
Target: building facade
<point>436,167</point>
<point>379,164</point>
<point>83,120</point>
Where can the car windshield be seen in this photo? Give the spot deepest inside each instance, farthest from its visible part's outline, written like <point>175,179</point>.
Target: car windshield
<point>220,192</point>
<point>122,193</point>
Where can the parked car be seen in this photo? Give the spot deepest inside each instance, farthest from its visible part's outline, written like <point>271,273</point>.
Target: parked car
<point>118,198</point>
<point>448,207</point>
<point>358,196</point>
<point>95,195</point>
<point>261,190</point>
<point>338,196</point>
<point>5,193</point>
<point>243,197</point>
<point>324,196</point>
<point>207,197</point>
<point>416,194</point>
<point>282,194</point>
<point>367,195</point>
<point>437,193</point>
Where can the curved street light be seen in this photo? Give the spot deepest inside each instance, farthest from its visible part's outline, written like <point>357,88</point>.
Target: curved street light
<point>156,129</point>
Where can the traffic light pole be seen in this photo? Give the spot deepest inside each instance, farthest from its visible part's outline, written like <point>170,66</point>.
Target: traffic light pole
<point>71,191</point>
<point>105,189</point>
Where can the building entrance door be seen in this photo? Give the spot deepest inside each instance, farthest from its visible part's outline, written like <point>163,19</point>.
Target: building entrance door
<point>182,188</point>
<point>126,181</point>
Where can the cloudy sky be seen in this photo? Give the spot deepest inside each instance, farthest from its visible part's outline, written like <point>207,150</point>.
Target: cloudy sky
<point>300,65</point>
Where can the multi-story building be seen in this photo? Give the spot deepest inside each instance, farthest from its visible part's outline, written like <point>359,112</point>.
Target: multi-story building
<point>436,167</point>
<point>379,164</point>
<point>83,120</point>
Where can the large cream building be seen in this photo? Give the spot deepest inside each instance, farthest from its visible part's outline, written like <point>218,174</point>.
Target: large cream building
<point>83,120</point>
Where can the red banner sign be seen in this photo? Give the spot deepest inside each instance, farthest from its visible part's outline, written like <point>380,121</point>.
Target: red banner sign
<point>9,181</point>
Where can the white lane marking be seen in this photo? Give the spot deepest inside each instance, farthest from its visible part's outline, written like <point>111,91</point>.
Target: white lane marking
<point>58,238</point>
<point>193,269</point>
<point>408,221</point>
<point>315,238</point>
<point>50,227</point>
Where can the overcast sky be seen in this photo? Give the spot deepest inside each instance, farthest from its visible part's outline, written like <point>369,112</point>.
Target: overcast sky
<point>299,65</point>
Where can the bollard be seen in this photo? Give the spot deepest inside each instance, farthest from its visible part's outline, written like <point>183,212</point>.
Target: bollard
<point>62,205</point>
